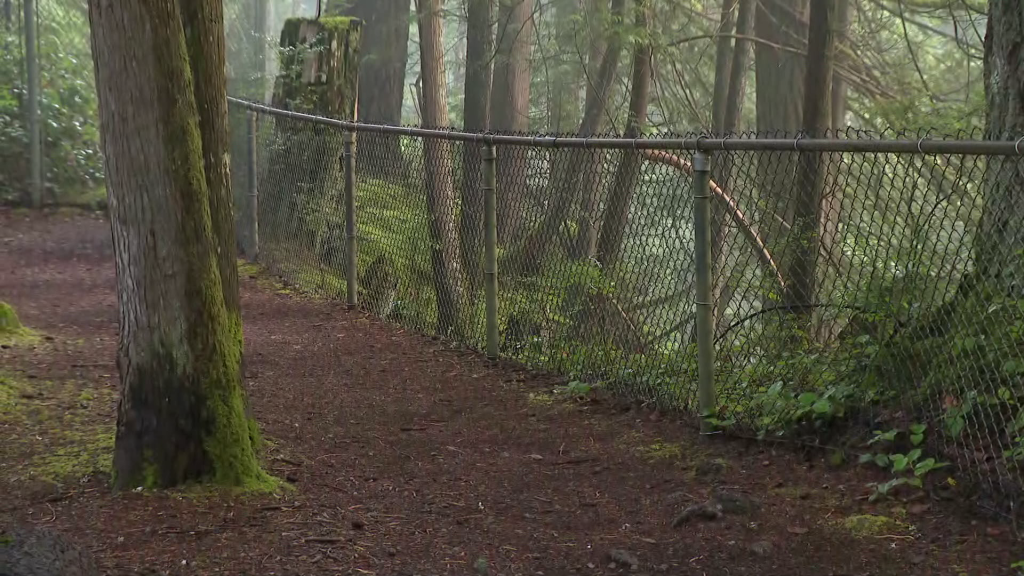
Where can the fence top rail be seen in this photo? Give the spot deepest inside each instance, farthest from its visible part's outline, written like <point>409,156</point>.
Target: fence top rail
<point>693,144</point>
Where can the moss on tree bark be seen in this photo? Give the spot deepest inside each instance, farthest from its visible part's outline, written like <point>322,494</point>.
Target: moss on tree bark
<point>181,415</point>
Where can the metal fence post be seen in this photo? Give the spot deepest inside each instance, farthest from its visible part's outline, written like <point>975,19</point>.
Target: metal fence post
<point>702,261</point>
<point>491,248</point>
<point>254,200</point>
<point>350,220</point>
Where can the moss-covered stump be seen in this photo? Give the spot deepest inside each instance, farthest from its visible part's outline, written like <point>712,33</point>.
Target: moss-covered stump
<point>11,329</point>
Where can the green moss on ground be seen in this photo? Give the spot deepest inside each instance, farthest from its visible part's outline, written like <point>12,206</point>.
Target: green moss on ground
<point>59,434</point>
<point>869,525</point>
<point>12,332</point>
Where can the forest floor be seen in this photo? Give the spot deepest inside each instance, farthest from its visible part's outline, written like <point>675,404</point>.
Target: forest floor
<point>410,457</point>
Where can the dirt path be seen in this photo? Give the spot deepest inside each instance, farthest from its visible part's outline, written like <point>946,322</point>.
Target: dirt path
<point>411,458</point>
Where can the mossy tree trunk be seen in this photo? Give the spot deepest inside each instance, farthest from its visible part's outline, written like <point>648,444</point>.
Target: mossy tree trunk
<point>181,415</point>
<point>319,75</point>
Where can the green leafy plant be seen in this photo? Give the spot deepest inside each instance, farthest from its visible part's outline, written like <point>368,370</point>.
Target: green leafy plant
<point>908,469</point>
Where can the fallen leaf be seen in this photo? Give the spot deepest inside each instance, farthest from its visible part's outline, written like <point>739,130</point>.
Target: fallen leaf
<point>536,456</point>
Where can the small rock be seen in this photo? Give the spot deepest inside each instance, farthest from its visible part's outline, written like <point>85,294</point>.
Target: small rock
<point>535,457</point>
<point>392,552</point>
<point>291,477</point>
<point>710,468</point>
<point>761,548</point>
<point>623,558</point>
<point>705,511</point>
<point>358,524</point>
<point>732,503</point>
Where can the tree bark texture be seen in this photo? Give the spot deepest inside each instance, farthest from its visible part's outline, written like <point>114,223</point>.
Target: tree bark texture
<point>800,267</point>
<point>839,87</point>
<point>999,242</point>
<point>510,106</point>
<point>616,215</point>
<point>437,157</point>
<point>384,55</point>
<point>723,65</point>
<point>181,414</point>
<point>780,96</point>
<point>476,109</point>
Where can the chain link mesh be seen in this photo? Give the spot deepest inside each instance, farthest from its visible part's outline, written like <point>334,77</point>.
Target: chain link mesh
<point>853,293</point>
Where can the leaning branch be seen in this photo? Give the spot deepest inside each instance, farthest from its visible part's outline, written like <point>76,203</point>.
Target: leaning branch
<point>746,228</point>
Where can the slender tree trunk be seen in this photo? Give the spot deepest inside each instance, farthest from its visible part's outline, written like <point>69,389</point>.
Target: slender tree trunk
<point>723,65</point>
<point>590,179</point>
<point>384,55</point>
<point>731,123</point>
<point>564,183</point>
<point>568,72</point>
<point>800,268</point>
<point>437,157</point>
<point>181,415</point>
<point>616,216</point>
<point>476,106</point>
<point>839,87</point>
<point>510,106</point>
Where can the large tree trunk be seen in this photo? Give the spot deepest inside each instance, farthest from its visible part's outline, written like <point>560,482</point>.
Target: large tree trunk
<point>437,157</point>
<point>565,183</point>
<point>510,106</point>
<point>479,47</point>
<point>384,55</point>
<point>616,216</point>
<point>999,242</point>
<point>780,95</point>
<point>181,415</point>
<point>800,267</point>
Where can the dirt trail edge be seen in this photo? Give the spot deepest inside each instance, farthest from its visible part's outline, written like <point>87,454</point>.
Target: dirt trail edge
<point>408,457</point>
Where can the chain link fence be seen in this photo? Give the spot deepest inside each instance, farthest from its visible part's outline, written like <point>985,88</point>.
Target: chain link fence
<point>864,286</point>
